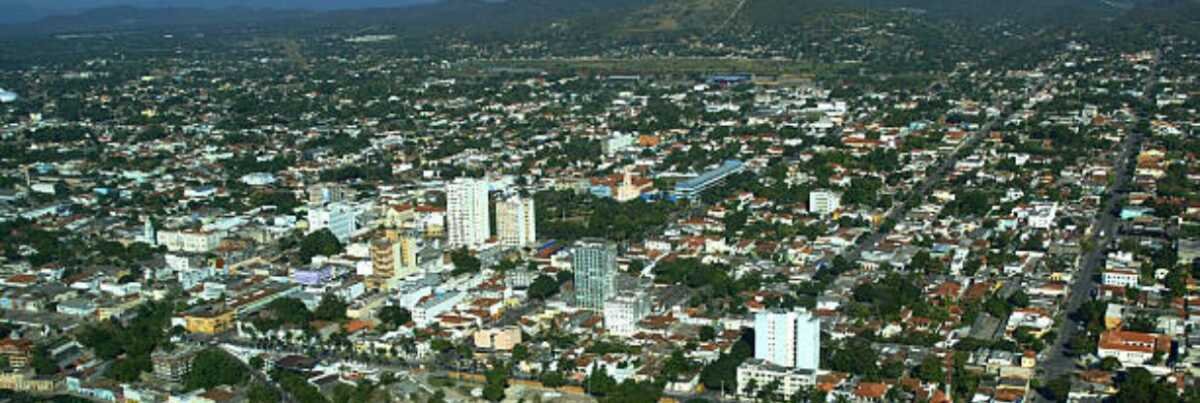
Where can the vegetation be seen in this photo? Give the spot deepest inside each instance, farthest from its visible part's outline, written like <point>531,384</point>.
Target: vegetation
<point>133,343</point>
<point>319,243</point>
<point>213,367</point>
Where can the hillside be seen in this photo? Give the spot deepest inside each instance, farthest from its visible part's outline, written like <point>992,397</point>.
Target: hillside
<point>590,20</point>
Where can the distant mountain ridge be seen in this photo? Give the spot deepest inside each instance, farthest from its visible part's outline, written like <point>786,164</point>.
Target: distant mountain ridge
<point>20,11</point>
<point>618,17</point>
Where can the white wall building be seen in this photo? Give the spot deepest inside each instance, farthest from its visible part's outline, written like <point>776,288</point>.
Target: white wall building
<point>617,142</point>
<point>763,373</point>
<point>1133,349</point>
<point>427,312</point>
<point>194,241</point>
<point>341,219</point>
<point>1043,215</point>
<point>623,312</point>
<point>788,339</point>
<point>516,222</point>
<point>467,212</point>
<point>1121,277</point>
<point>824,202</point>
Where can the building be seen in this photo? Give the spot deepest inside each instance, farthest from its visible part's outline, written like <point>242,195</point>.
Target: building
<point>693,188</point>
<point>27,382</point>
<point>426,311</point>
<point>393,257</point>
<point>339,218</point>
<point>1121,277</point>
<point>208,320</point>
<point>761,373</point>
<point>1188,251</point>
<point>623,311</point>
<point>325,193</point>
<point>595,264</point>
<point>149,235</point>
<point>172,366</point>
<point>824,202</point>
<point>79,307</point>
<point>313,276</point>
<point>467,212</point>
<point>515,222</point>
<point>1133,349</point>
<point>192,241</point>
<point>621,187</point>
<point>18,352</point>
<point>617,142</point>
<point>1042,215</point>
<point>503,339</point>
<point>790,339</point>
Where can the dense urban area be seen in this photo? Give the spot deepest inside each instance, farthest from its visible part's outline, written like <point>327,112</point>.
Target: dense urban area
<point>645,201</point>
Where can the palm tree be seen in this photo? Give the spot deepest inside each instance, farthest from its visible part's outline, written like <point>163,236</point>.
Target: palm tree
<point>751,388</point>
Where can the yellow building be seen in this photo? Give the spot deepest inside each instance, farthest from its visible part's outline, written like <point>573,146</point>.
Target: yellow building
<point>392,257</point>
<point>26,382</point>
<point>209,320</point>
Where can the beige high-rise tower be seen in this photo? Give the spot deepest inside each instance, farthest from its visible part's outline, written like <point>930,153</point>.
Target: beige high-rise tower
<point>393,257</point>
<point>516,222</point>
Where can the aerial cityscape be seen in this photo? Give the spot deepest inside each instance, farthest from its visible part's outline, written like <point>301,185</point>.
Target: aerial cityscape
<point>626,201</point>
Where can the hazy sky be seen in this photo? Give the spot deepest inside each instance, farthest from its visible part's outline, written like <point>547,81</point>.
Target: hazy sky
<point>16,11</point>
<point>326,4</point>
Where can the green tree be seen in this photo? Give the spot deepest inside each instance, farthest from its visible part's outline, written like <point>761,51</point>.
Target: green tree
<point>1139,385</point>
<point>496,382</point>
<point>213,367</point>
<point>1110,364</point>
<point>331,308</point>
<point>394,315</point>
<point>259,393</point>
<point>1057,389</point>
<point>464,262</point>
<point>543,287</point>
<point>599,384</point>
<point>552,379</point>
<point>930,370</point>
<point>319,243</point>
<point>42,362</point>
<point>722,373</point>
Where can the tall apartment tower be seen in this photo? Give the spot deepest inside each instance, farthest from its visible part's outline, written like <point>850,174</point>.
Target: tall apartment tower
<point>515,222</point>
<point>595,264</point>
<point>467,212</point>
<point>149,234</point>
<point>790,339</point>
<point>393,257</point>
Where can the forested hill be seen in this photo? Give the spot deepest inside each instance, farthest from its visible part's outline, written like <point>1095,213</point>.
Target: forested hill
<point>606,19</point>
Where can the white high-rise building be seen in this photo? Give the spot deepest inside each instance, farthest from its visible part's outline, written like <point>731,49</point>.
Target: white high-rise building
<point>341,219</point>
<point>788,339</point>
<point>515,222</point>
<point>149,234</point>
<point>467,212</point>
<point>623,312</point>
<point>824,202</point>
<point>595,264</point>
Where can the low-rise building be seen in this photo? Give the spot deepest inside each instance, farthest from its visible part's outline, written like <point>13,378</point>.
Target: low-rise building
<point>762,373</point>
<point>1133,348</point>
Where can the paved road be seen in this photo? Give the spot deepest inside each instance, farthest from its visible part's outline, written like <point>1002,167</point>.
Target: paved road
<point>1055,362</point>
<point>940,171</point>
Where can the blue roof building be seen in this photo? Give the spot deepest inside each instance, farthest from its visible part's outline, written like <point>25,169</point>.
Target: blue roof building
<point>693,188</point>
